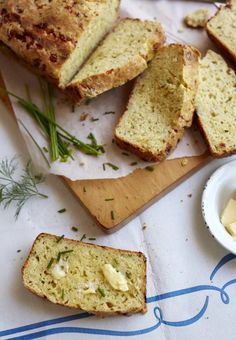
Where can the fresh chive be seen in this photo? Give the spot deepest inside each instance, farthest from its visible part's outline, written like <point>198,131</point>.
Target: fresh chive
<point>61,211</point>
<point>109,199</point>
<point>19,250</point>
<point>72,108</point>
<point>74,229</point>
<point>109,113</point>
<point>45,149</point>
<point>92,238</point>
<point>62,294</point>
<point>94,143</point>
<point>94,119</point>
<point>112,215</point>
<point>60,238</point>
<point>115,261</point>
<point>83,237</point>
<point>101,291</point>
<point>128,274</point>
<point>103,165</point>
<point>133,163</point>
<point>125,154</point>
<point>114,167</point>
<point>84,189</point>
<point>149,168</point>
<point>50,263</point>
<point>63,253</point>
<point>113,141</point>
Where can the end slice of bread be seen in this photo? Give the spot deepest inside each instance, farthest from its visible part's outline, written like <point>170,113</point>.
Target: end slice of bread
<point>216,103</point>
<point>161,104</point>
<point>97,279</point>
<point>122,56</point>
<point>222,30</point>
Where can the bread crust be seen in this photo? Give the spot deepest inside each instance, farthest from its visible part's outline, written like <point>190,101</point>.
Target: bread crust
<point>99,83</point>
<point>219,43</point>
<point>75,242</point>
<point>190,60</point>
<point>44,33</point>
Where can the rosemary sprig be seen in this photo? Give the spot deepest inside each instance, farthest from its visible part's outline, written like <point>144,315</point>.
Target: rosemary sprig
<point>18,191</point>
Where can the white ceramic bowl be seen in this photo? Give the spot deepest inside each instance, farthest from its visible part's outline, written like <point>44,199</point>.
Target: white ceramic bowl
<point>220,187</point>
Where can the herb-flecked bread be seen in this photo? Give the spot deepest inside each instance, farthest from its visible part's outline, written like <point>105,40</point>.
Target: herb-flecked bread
<point>121,56</point>
<point>222,30</point>
<point>216,103</point>
<point>161,104</point>
<point>97,279</point>
<point>55,36</point>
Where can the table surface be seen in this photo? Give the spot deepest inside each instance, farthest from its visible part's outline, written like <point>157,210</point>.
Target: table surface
<point>191,278</point>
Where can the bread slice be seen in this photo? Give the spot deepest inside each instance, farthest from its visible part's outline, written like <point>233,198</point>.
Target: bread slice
<point>55,36</point>
<point>197,19</point>
<point>122,55</point>
<point>161,104</point>
<point>221,29</point>
<point>100,280</point>
<point>216,103</point>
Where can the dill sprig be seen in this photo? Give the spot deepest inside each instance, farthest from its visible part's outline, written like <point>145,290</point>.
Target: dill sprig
<point>60,139</point>
<point>20,190</point>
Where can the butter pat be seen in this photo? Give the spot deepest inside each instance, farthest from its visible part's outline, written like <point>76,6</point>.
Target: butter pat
<point>115,278</point>
<point>229,213</point>
<point>60,269</point>
<point>231,228</point>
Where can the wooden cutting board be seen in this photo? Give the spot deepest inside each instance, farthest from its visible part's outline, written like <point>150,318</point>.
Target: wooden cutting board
<point>114,202</point>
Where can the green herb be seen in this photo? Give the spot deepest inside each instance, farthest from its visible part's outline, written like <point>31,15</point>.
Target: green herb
<point>92,238</point>
<point>109,199</point>
<point>62,137</point>
<point>101,291</point>
<point>109,113</point>
<point>19,250</point>
<point>133,163</point>
<point>61,211</point>
<point>115,261</point>
<point>60,238</point>
<point>113,141</point>
<point>37,258</point>
<point>50,263</point>
<point>114,167</point>
<point>62,294</point>
<point>74,229</point>
<point>45,149</point>
<point>112,215</point>
<point>83,237</point>
<point>149,168</point>
<point>94,143</point>
<point>87,102</point>
<point>125,154</point>
<point>18,191</point>
<point>128,274</point>
<point>84,189</point>
<point>94,119</point>
<point>72,108</point>
<point>61,253</point>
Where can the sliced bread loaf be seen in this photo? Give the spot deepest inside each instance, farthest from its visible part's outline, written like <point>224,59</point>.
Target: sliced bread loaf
<point>97,279</point>
<point>122,55</point>
<point>161,104</point>
<point>221,28</point>
<point>55,36</point>
<point>216,103</point>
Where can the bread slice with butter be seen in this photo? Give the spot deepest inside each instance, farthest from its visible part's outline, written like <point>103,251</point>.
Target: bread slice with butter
<point>122,56</point>
<point>161,104</point>
<point>55,37</point>
<point>215,104</point>
<point>100,280</point>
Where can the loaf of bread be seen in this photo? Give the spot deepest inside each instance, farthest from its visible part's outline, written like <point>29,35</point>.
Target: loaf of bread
<point>55,36</point>
<point>216,103</point>
<point>161,104</point>
<point>122,55</point>
<point>222,30</point>
<point>197,19</point>
<point>100,280</point>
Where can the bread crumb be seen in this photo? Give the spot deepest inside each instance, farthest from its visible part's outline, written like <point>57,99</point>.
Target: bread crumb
<point>81,163</point>
<point>197,19</point>
<point>83,116</point>
<point>180,29</point>
<point>184,162</point>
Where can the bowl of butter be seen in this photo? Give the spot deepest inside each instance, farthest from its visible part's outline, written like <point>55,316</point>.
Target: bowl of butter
<point>219,205</point>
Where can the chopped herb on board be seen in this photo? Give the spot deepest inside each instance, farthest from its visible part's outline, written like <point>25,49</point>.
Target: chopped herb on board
<point>149,168</point>
<point>92,238</point>
<point>72,108</point>
<point>109,113</point>
<point>114,167</point>
<point>94,119</point>
<point>84,189</point>
<point>74,229</point>
<point>83,237</point>
<point>133,163</point>
<point>125,154</point>
<point>112,215</point>
<point>61,211</point>
<point>109,199</point>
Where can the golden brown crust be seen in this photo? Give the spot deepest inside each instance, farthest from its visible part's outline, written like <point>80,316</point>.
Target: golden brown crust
<point>44,33</point>
<point>97,84</point>
<point>219,43</point>
<point>191,60</point>
<point>75,242</point>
